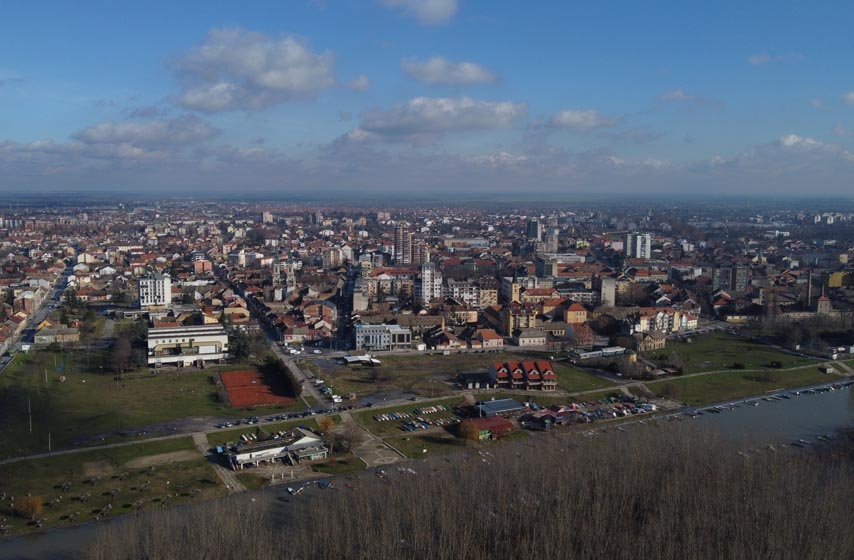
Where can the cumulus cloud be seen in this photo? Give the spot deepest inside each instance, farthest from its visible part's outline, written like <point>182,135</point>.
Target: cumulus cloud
<point>848,98</point>
<point>438,70</point>
<point>234,69</point>
<point>581,120</point>
<point>362,83</point>
<point>432,116</point>
<point>183,130</point>
<point>427,12</point>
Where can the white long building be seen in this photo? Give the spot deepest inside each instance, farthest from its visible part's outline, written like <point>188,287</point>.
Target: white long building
<point>187,345</point>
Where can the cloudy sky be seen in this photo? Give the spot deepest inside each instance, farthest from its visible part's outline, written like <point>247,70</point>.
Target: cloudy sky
<point>427,96</point>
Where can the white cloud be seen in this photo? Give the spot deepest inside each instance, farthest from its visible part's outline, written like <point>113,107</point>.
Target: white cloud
<point>182,130</point>
<point>438,70</point>
<point>582,120</point>
<point>427,12</point>
<point>848,98</point>
<point>362,83</point>
<point>680,96</point>
<point>757,59</point>
<point>765,58</point>
<point>236,69</point>
<point>438,115</point>
<point>817,103</point>
<point>676,95</point>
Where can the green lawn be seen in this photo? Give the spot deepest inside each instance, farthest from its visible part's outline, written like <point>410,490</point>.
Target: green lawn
<point>720,351</point>
<point>233,435</point>
<point>574,380</point>
<point>87,482</point>
<point>89,402</point>
<point>718,387</point>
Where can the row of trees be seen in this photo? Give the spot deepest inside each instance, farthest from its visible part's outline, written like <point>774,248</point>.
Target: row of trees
<point>675,493</point>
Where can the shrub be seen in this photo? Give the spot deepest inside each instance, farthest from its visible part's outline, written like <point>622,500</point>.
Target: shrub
<point>29,507</point>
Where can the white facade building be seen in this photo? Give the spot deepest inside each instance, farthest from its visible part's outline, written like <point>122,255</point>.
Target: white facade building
<point>155,290</point>
<point>382,337</point>
<point>639,246</point>
<point>431,283</point>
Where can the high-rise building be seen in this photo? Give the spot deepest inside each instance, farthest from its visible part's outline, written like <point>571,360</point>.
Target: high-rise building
<point>431,283</point>
<point>402,244</point>
<point>155,290</point>
<point>534,230</point>
<point>267,217</point>
<point>638,246</point>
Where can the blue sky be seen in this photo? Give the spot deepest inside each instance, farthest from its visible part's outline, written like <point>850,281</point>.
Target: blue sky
<point>427,96</point>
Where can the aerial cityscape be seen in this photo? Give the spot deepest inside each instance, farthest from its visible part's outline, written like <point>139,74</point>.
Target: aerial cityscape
<point>425,279</point>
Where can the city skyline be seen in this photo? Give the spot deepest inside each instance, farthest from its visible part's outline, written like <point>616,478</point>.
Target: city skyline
<point>422,98</point>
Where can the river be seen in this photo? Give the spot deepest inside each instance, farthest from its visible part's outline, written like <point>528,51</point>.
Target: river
<point>797,419</point>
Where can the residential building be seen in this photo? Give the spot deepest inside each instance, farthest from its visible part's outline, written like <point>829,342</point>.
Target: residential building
<point>638,246</point>
<point>155,290</point>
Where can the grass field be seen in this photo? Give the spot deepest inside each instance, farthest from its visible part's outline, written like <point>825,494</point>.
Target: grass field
<point>127,478</point>
<point>414,446</point>
<point>718,387</point>
<point>720,351</point>
<point>430,375</point>
<point>90,402</point>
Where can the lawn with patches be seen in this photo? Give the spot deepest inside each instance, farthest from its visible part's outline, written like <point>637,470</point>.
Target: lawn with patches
<point>345,464</point>
<point>90,402</point>
<point>79,487</point>
<point>721,351</point>
<point>414,446</point>
<point>719,387</point>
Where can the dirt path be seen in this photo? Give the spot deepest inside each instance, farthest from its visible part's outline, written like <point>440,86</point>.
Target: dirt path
<point>227,476</point>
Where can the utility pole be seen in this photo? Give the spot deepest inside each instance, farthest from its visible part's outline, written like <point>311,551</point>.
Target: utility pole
<point>30,414</point>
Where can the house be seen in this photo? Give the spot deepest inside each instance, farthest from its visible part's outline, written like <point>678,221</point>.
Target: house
<point>529,337</point>
<point>490,339</point>
<point>535,375</point>
<point>492,427</point>
<point>653,340</point>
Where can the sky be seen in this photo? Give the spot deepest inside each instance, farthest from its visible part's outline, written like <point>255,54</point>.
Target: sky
<point>427,97</point>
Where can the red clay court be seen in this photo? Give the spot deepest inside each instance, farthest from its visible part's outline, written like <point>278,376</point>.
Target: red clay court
<point>247,388</point>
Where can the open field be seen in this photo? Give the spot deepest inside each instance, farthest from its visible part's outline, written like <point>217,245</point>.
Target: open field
<point>430,375</point>
<point>720,351</point>
<point>89,402</point>
<point>718,387</point>
<point>79,487</point>
<point>233,435</point>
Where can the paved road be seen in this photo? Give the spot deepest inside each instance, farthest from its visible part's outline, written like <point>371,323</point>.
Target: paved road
<point>227,476</point>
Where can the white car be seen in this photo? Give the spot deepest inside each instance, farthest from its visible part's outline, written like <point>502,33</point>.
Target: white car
<point>318,352</point>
